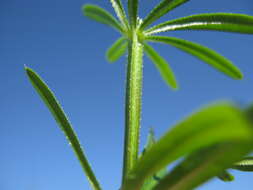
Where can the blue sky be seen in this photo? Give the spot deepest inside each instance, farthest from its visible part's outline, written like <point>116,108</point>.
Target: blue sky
<point>68,51</point>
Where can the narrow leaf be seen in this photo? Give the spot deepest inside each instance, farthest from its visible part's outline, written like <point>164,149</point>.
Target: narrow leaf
<point>203,53</point>
<point>153,180</point>
<point>116,50</point>
<point>133,12</point>
<point>100,15</point>
<point>244,165</point>
<point>150,141</point>
<point>204,128</point>
<point>225,176</point>
<point>51,102</point>
<point>162,66</point>
<point>120,12</point>
<point>227,22</point>
<point>161,9</point>
<point>199,167</point>
<point>249,112</point>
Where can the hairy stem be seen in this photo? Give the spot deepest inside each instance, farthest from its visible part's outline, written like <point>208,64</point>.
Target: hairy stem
<point>133,104</point>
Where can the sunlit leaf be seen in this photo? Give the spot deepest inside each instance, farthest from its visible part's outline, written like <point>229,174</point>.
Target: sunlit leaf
<point>55,108</point>
<point>162,66</point>
<point>199,167</point>
<point>153,180</point>
<point>117,50</point>
<point>100,15</point>
<point>211,125</point>
<point>205,54</point>
<point>227,22</point>
<point>244,165</point>
<point>161,9</point>
<point>120,12</point>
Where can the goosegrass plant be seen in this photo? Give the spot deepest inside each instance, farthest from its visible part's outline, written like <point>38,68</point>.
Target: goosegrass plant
<point>206,143</point>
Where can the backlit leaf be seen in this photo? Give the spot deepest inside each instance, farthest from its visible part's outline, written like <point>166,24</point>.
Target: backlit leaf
<point>153,180</point>
<point>161,9</point>
<point>201,166</point>
<point>100,15</point>
<point>244,165</point>
<point>205,54</point>
<point>211,125</point>
<point>162,66</point>
<point>225,176</point>
<point>116,50</point>
<point>227,22</point>
<point>120,12</point>
<point>55,108</point>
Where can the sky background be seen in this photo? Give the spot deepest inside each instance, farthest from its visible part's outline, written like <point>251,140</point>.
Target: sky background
<point>68,51</point>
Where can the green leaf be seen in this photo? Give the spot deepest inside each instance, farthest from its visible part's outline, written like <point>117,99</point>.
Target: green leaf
<point>152,181</point>
<point>202,165</point>
<point>116,50</point>
<point>212,125</point>
<point>162,66</point>
<point>51,102</point>
<point>100,15</point>
<point>249,112</point>
<point>227,22</point>
<point>244,165</point>
<point>133,12</point>
<point>203,53</point>
<point>161,9</point>
<point>120,12</point>
<point>150,141</point>
<point>225,176</point>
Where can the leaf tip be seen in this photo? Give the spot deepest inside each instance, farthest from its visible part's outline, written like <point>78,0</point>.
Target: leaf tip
<point>237,74</point>
<point>175,87</point>
<point>228,178</point>
<point>27,69</point>
<point>240,75</point>
<point>85,8</point>
<point>108,58</point>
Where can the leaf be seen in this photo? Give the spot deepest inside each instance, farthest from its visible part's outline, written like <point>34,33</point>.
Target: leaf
<point>249,112</point>
<point>225,176</point>
<point>227,22</point>
<point>133,12</point>
<point>161,9</point>
<point>100,15</point>
<point>51,102</point>
<point>204,164</point>
<point>205,128</point>
<point>150,141</point>
<point>162,66</point>
<point>153,180</point>
<point>120,12</point>
<point>116,50</point>
<point>244,165</point>
<point>203,53</point>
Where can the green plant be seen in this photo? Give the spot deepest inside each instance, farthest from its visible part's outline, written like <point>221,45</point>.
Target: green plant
<point>209,141</point>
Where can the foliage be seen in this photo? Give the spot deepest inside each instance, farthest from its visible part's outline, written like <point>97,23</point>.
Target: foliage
<point>208,142</point>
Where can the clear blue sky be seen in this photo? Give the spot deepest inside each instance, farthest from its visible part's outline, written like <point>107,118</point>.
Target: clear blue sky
<point>67,50</point>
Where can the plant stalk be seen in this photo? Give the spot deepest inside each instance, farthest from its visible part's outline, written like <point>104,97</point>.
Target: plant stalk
<point>133,103</point>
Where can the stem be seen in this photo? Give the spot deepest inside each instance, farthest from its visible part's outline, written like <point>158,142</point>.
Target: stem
<point>133,104</point>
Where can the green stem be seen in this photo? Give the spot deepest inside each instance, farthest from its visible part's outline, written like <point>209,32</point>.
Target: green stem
<point>133,104</point>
